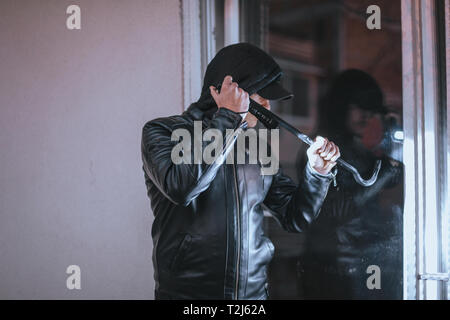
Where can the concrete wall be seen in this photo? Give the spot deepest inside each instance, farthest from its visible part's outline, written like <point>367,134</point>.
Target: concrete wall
<point>72,105</point>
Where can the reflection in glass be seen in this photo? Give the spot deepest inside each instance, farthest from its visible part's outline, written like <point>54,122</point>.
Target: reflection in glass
<point>347,82</point>
<point>358,227</point>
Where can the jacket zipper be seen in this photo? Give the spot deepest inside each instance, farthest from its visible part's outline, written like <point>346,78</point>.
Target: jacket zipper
<point>238,232</point>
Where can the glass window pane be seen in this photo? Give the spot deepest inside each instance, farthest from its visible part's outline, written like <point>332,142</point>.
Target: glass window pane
<point>347,82</point>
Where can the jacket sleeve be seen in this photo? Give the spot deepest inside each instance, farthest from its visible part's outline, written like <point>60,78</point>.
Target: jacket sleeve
<point>296,206</point>
<point>182,183</point>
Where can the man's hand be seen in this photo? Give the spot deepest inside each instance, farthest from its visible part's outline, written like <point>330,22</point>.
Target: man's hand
<point>322,155</point>
<point>231,96</point>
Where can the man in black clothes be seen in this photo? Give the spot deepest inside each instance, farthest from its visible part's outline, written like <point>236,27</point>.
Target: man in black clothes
<point>207,233</point>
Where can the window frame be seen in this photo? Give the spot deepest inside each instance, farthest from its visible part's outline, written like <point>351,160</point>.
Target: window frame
<point>426,204</point>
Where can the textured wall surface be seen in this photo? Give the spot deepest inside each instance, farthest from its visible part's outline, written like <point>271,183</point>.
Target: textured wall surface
<point>72,106</point>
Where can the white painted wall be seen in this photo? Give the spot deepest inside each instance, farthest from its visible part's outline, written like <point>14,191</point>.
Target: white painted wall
<point>72,106</point>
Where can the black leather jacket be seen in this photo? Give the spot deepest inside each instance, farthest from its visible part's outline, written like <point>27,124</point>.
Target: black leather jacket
<point>207,232</point>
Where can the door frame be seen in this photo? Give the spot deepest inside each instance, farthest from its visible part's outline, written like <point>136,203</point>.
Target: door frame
<point>425,238</point>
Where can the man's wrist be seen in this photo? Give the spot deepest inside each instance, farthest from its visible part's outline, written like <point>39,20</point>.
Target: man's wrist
<point>233,119</point>
<point>242,114</point>
<point>229,113</point>
<point>314,171</point>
